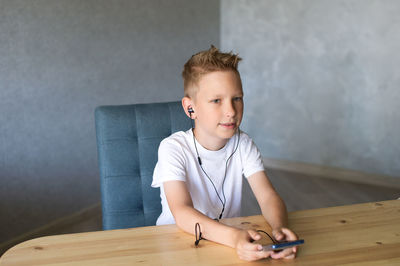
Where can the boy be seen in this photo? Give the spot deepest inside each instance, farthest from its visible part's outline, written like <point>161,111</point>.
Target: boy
<point>200,171</point>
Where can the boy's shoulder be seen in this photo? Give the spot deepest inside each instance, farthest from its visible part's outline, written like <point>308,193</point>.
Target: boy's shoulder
<point>179,135</point>
<point>184,136</point>
<point>177,138</point>
<point>244,137</point>
<point>182,139</point>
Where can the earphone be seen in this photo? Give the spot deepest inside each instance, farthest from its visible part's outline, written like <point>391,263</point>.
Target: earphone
<point>223,202</point>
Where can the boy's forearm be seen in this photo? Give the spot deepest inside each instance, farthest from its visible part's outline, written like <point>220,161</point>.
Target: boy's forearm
<point>274,211</point>
<point>272,206</point>
<point>187,217</point>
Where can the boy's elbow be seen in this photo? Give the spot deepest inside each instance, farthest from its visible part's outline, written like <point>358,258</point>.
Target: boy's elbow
<point>181,216</point>
<point>179,223</point>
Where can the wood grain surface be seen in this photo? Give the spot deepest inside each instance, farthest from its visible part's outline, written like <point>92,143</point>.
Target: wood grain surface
<point>361,234</point>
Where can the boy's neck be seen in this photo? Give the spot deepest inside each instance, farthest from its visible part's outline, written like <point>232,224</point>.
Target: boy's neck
<point>209,143</point>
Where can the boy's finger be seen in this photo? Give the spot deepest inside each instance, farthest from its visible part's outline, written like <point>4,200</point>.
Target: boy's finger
<point>290,257</point>
<point>277,255</point>
<point>252,247</point>
<point>261,254</point>
<point>278,235</point>
<point>253,255</point>
<point>254,235</point>
<point>282,254</point>
<point>289,234</point>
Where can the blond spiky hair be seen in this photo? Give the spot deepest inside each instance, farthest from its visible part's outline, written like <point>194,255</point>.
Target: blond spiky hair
<point>205,62</point>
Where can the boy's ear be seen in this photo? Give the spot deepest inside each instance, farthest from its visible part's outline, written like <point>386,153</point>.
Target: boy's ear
<point>187,105</point>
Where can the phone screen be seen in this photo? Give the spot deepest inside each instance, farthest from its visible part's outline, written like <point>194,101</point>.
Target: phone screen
<point>283,245</point>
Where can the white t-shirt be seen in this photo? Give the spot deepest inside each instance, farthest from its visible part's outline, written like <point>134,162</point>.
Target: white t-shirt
<point>177,160</point>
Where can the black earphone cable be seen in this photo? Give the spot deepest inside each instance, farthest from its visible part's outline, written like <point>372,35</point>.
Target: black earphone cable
<point>226,168</point>
<point>201,166</point>
<point>273,240</point>
<point>223,202</point>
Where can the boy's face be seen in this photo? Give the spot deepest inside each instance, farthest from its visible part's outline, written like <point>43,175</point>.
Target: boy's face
<point>218,106</point>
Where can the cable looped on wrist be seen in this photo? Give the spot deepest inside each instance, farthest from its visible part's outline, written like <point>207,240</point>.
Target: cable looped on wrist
<point>197,235</point>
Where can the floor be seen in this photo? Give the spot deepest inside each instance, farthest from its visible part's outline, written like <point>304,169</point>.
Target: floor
<point>299,192</point>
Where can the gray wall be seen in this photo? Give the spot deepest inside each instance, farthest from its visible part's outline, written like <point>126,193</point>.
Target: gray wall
<point>321,79</point>
<point>58,61</point>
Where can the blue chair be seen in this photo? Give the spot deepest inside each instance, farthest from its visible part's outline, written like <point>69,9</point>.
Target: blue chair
<point>128,137</point>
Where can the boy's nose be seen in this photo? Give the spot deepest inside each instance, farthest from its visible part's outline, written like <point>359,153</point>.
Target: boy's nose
<point>230,110</point>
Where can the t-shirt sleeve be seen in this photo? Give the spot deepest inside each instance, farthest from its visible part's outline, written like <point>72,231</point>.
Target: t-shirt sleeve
<point>251,157</point>
<point>171,163</point>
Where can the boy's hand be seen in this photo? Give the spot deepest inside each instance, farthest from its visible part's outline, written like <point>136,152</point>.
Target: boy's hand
<point>246,249</point>
<point>281,234</point>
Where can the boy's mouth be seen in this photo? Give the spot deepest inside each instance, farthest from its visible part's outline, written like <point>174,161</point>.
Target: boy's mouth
<point>228,125</point>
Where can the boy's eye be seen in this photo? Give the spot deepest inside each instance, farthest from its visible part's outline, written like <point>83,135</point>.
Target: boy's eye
<point>215,101</point>
<point>237,99</point>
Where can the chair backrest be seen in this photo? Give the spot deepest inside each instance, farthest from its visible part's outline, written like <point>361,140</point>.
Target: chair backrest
<point>128,137</point>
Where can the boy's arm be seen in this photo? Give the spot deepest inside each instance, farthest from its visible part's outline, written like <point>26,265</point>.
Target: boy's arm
<point>186,217</point>
<point>272,206</point>
<point>273,209</point>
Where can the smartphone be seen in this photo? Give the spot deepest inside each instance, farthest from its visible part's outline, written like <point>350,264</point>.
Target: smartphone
<point>282,245</point>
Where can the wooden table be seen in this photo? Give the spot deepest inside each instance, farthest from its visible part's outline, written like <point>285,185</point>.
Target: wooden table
<point>362,234</point>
